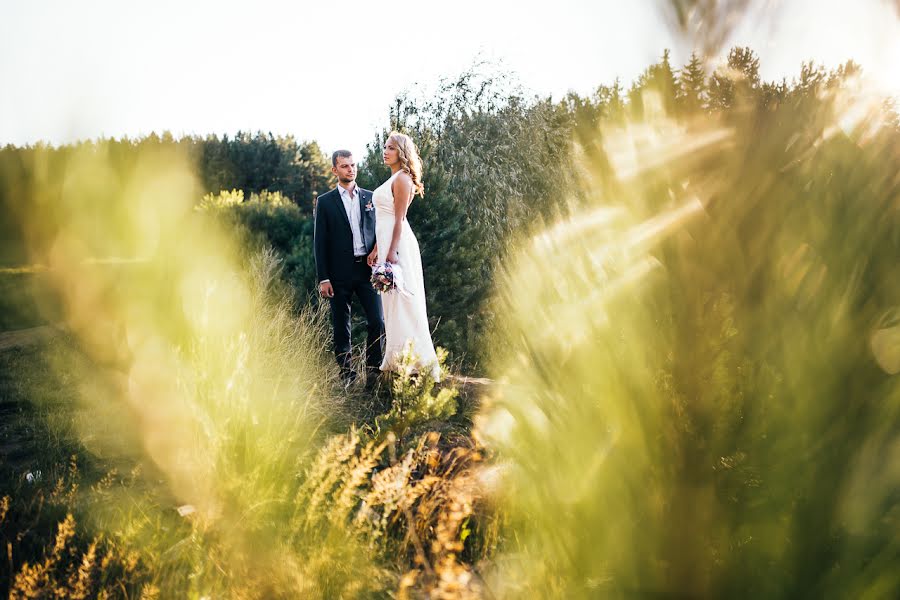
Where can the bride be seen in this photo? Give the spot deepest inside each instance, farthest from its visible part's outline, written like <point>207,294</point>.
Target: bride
<point>405,317</point>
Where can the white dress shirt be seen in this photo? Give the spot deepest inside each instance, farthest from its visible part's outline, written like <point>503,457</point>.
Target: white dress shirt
<point>351,207</point>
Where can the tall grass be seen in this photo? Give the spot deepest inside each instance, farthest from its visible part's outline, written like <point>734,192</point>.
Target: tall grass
<point>699,398</point>
<point>197,352</point>
<point>284,512</point>
<point>231,426</point>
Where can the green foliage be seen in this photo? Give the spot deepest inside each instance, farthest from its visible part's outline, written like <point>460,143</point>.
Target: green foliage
<point>54,489</point>
<point>269,219</point>
<point>264,162</point>
<point>702,409</point>
<point>34,201</point>
<point>225,442</point>
<point>412,401</point>
<point>691,95</point>
<point>71,564</point>
<point>737,79</point>
<point>351,519</point>
<point>657,83</point>
<point>400,487</point>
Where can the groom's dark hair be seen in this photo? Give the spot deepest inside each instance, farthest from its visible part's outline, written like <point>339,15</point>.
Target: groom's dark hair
<point>340,154</point>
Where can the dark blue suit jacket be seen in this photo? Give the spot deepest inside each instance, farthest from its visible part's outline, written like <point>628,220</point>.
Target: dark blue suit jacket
<point>333,239</point>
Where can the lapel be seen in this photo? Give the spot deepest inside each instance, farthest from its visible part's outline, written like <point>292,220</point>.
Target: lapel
<point>340,206</point>
<point>363,199</point>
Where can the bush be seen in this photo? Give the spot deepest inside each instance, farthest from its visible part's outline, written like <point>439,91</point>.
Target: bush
<point>271,220</point>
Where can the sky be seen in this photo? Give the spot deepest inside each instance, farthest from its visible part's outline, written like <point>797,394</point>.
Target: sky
<point>329,71</point>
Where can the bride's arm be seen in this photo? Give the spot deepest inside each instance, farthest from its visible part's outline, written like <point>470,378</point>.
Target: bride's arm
<point>402,190</point>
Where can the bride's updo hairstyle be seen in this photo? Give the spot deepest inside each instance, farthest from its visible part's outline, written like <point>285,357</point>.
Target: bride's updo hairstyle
<point>410,162</point>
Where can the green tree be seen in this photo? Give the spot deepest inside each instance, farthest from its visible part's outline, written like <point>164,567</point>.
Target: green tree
<point>737,81</point>
<point>659,80</point>
<point>254,163</point>
<point>692,97</point>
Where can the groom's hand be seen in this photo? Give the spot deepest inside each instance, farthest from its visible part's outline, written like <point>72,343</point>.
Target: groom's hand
<point>325,289</point>
<point>373,257</point>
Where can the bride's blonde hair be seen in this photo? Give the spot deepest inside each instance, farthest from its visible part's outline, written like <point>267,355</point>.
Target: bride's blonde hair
<point>410,163</point>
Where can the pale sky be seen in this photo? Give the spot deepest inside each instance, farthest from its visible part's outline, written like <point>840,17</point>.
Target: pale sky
<point>329,71</point>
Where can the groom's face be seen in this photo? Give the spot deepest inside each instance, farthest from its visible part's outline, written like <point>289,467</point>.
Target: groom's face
<point>345,169</point>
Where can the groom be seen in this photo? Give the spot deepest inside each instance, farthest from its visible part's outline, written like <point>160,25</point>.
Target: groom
<point>344,237</point>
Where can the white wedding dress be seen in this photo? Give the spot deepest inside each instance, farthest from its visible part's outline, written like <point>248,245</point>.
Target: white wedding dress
<point>405,317</point>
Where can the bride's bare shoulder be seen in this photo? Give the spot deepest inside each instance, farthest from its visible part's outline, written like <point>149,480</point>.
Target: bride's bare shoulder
<point>402,181</point>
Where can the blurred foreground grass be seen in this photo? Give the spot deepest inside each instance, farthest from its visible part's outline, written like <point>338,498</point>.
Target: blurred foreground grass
<point>701,395</point>
<point>88,510</point>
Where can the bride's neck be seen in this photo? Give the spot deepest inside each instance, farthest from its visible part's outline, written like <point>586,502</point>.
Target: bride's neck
<point>395,168</point>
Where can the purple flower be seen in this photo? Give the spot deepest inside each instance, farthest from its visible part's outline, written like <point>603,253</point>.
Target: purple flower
<point>383,278</point>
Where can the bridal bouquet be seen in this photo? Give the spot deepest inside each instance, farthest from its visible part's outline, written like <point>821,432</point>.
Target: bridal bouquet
<point>387,277</point>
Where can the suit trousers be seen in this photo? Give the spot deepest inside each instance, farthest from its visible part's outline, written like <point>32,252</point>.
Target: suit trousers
<point>360,286</point>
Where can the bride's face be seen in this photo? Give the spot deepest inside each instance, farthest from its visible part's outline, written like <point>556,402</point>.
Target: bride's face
<point>391,153</point>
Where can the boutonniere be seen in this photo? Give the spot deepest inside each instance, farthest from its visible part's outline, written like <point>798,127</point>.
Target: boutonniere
<point>369,206</point>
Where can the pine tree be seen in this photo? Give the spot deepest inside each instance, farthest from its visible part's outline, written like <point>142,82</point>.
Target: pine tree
<point>692,96</point>
<point>738,79</point>
<point>658,79</point>
<point>665,82</point>
<point>611,101</point>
